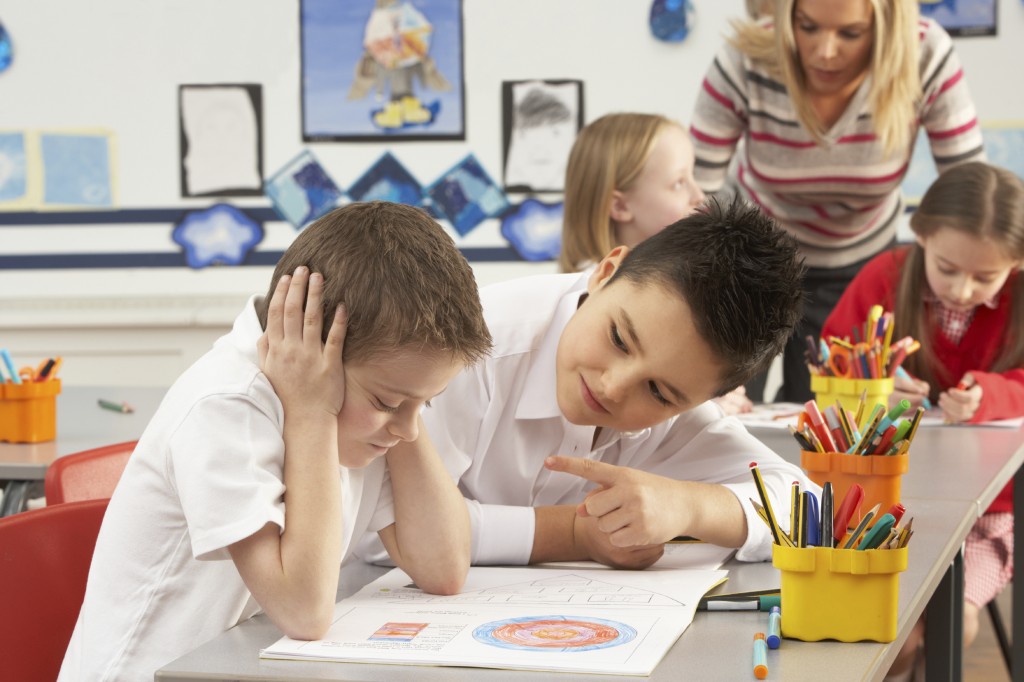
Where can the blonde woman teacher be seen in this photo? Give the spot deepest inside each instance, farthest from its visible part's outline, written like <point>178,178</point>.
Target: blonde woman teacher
<point>827,97</point>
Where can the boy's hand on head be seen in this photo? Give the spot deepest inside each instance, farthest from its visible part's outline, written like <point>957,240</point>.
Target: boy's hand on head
<point>633,508</point>
<point>961,403</point>
<point>303,370</point>
<point>909,388</point>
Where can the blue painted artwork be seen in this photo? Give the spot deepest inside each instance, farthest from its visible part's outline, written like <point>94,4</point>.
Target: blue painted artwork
<point>13,177</point>
<point>219,235</point>
<point>962,17</point>
<point>671,20</point>
<point>387,180</point>
<point>1004,146</point>
<point>466,196</point>
<point>76,170</point>
<point>534,229</point>
<point>6,49</point>
<point>376,69</point>
<point>302,191</point>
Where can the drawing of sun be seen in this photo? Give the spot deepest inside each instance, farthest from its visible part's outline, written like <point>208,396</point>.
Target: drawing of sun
<point>554,633</point>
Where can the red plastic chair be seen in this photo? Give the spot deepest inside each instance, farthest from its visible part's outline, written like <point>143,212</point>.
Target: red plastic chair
<point>44,562</point>
<point>87,475</point>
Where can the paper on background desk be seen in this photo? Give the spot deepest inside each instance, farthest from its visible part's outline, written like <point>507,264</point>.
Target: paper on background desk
<point>572,620</point>
<point>784,415</point>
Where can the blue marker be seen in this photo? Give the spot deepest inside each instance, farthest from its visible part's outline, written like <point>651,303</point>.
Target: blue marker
<point>760,657</point>
<point>813,520</point>
<point>903,374</point>
<point>10,365</point>
<point>774,638</point>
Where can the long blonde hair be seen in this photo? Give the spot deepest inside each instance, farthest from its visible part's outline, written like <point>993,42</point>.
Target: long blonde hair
<point>894,69</point>
<point>985,202</point>
<point>608,155</point>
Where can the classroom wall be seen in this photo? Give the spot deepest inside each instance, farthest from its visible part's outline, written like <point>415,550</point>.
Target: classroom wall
<point>117,65</point>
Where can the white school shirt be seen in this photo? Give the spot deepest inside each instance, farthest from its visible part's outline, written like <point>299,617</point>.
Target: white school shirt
<point>497,421</point>
<point>208,472</point>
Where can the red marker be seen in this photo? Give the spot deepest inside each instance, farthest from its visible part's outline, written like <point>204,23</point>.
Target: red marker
<point>849,507</point>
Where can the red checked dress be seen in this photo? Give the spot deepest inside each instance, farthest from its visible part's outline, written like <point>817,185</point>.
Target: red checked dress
<point>988,559</point>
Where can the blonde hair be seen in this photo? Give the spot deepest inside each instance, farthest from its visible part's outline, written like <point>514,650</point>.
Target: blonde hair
<point>608,155</point>
<point>894,68</point>
<point>984,202</point>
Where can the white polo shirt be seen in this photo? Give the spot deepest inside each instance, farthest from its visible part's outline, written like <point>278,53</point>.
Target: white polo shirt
<point>207,472</point>
<point>498,420</point>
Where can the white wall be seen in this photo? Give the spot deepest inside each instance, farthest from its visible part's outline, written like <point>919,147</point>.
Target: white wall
<point>117,64</point>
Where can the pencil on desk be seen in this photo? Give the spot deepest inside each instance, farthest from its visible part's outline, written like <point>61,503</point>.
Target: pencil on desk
<point>115,407</point>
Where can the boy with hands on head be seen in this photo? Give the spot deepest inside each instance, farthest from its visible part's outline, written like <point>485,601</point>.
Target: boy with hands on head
<point>608,375</point>
<point>278,447</point>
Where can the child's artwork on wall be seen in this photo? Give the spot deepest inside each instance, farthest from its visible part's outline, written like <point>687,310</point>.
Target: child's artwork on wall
<point>6,49</point>
<point>465,196</point>
<point>671,20</point>
<point>534,229</point>
<point>14,180</point>
<point>962,17</point>
<point>219,235</point>
<point>1004,146</point>
<point>302,191</point>
<point>374,69</point>
<point>77,168</point>
<point>387,180</point>
<point>540,120</point>
<point>221,132</point>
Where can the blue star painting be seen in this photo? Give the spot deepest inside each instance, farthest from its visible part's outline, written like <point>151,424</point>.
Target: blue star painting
<point>466,196</point>
<point>302,191</point>
<point>219,235</point>
<point>671,20</point>
<point>6,50</point>
<point>387,180</point>
<point>534,229</point>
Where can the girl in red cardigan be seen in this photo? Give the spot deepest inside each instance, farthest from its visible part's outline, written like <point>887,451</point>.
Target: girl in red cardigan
<point>957,291</point>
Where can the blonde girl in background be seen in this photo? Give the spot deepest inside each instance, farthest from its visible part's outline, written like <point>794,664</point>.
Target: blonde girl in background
<point>958,290</point>
<point>826,98</point>
<point>628,177</point>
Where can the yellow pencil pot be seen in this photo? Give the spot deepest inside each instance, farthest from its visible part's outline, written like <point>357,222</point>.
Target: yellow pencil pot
<point>881,476</point>
<point>827,390</point>
<point>28,411</point>
<point>842,594</point>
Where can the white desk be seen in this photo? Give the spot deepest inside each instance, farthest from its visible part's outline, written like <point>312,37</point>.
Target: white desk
<point>81,425</point>
<point>718,645</point>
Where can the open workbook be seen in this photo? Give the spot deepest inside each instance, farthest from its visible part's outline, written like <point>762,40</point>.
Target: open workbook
<point>554,619</point>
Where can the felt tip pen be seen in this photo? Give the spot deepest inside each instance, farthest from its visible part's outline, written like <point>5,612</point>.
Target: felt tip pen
<point>115,407</point>
<point>10,365</point>
<point>760,656</point>
<point>736,603</point>
<point>774,638</point>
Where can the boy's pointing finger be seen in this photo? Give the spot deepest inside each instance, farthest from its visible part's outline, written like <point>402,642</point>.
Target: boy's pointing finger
<point>592,470</point>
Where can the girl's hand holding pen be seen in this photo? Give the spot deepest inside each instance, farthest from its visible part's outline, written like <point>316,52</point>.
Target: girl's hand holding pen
<point>906,387</point>
<point>959,404</point>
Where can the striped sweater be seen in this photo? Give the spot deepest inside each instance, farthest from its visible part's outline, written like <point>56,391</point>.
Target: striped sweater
<point>840,200</point>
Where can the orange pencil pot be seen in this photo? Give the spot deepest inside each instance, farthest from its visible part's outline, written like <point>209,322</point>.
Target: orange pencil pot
<point>880,475</point>
<point>28,411</point>
<point>844,594</point>
<point>828,389</point>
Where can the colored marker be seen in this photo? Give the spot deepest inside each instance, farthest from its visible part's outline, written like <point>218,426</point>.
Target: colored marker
<point>764,602</point>
<point>115,407</point>
<point>846,510</point>
<point>760,656</point>
<point>774,638</point>
<point>878,533</point>
<point>826,514</point>
<point>10,365</point>
<point>813,535</point>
